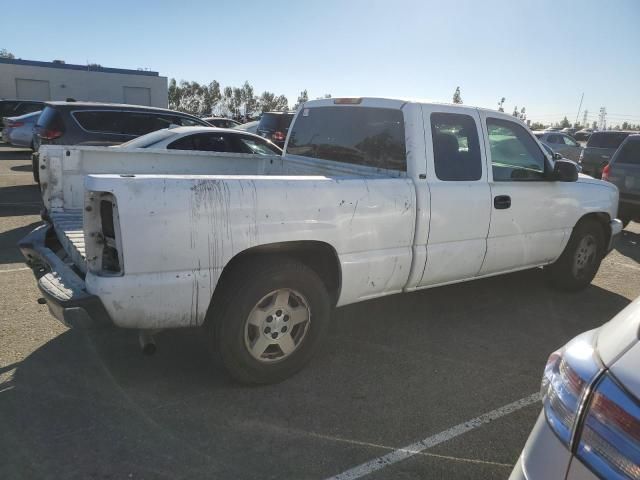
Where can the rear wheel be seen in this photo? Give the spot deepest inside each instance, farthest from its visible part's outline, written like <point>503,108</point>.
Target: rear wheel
<point>579,262</point>
<point>270,318</point>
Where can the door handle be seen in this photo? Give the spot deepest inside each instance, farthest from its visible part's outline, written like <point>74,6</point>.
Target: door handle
<point>502,202</point>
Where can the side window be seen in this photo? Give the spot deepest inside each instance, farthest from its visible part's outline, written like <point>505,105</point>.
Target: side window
<point>515,156</point>
<point>247,144</point>
<point>184,143</point>
<point>204,142</point>
<point>101,121</point>
<point>456,148</point>
<point>142,123</point>
<point>569,141</point>
<point>554,139</point>
<point>184,121</point>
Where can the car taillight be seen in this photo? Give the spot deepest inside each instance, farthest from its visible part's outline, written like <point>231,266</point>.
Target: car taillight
<point>278,136</point>
<point>610,437</point>
<point>15,124</point>
<point>606,171</point>
<point>49,133</point>
<point>567,375</point>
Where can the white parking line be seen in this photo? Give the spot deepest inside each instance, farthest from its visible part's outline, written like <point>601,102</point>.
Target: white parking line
<point>430,442</point>
<point>14,269</point>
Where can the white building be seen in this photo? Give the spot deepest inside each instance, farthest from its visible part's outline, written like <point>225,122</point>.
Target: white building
<point>33,80</point>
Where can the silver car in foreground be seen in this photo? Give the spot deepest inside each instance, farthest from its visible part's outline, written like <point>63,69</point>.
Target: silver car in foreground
<point>18,131</point>
<point>589,427</point>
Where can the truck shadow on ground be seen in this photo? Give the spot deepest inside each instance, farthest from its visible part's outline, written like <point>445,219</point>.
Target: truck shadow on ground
<point>89,404</point>
<point>22,168</point>
<point>9,252</point>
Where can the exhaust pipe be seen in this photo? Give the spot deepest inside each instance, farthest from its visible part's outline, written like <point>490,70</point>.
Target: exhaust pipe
<point>147,341</point>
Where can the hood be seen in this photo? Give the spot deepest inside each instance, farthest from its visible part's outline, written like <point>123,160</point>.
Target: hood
<point>617,337</point>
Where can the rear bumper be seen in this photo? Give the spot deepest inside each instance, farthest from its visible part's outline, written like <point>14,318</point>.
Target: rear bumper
<point>543,457</point>
<point>616,229</point>
<point>62,288</point>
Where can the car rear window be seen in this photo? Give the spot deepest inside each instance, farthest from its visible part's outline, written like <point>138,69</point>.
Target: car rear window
<point>358,135</point>
<point>630,153</point>
<point>275,121</point>
<point>606,139</point>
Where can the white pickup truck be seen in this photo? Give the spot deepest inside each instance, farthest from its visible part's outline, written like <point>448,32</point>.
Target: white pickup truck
<point>372,197</point>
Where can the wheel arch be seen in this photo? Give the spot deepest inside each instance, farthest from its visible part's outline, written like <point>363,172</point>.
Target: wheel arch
<point>321,257</point>
<point>601,218</point>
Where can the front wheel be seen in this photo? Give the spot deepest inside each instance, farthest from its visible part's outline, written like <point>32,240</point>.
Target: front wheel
<point>579,263</point>
<point>271,317</point>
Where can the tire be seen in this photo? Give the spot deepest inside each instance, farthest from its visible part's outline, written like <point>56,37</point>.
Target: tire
<point>258,328</point>
<point>579,262</point>
<point>35,165</point>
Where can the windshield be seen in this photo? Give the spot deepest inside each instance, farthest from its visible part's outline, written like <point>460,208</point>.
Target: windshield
<point>148,140</point>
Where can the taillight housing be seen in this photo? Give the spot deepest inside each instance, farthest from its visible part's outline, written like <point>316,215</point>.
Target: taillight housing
<point>48,133</point>
<point>606,172</point>
<point>565,384</point>
<point>15,124</point>
<point>610,436</point>
<point>278,136</point>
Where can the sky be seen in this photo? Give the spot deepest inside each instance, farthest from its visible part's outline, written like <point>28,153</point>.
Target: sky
<point>541,55</point>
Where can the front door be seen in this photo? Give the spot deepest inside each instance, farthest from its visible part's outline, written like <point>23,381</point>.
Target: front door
<point>530,215</point>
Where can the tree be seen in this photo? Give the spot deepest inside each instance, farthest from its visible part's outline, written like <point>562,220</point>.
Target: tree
<point>249,100</point>
<point>174,94</point>
<point>457,98</point>
<point>625,126</point>
<point>537,126</point>
<point>565,123</point>
<point>523,114</point>
<point>594,125</point>
<point>501,104</point>
<point>302,98</point>
<point>515,112</point>
<point>4,53</point>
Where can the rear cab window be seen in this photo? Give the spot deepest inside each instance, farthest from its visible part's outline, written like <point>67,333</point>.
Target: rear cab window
<point>456,147</point>
<point>367,136</point>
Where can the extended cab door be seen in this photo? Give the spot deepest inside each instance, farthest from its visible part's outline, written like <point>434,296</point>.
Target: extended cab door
<point>531,216</point>
<point>460,197</point>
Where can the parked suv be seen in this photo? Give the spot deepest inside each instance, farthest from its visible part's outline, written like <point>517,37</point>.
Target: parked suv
<point>624,172</point>
<point>600,147</point>
<point>90,123</point>
<point>15,108</point>
<point>274,126</point>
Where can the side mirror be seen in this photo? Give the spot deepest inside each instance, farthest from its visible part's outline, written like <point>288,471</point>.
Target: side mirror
<point>557,156</point>
<point>565,171</point>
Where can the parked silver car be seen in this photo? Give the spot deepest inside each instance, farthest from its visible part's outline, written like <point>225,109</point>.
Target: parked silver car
<point>18,131</point>
<point>589,427</point>
<point>561,143</point>
<point>623,171</point>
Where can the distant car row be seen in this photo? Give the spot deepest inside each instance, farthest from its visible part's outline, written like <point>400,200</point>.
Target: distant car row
<point>100,124</point>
